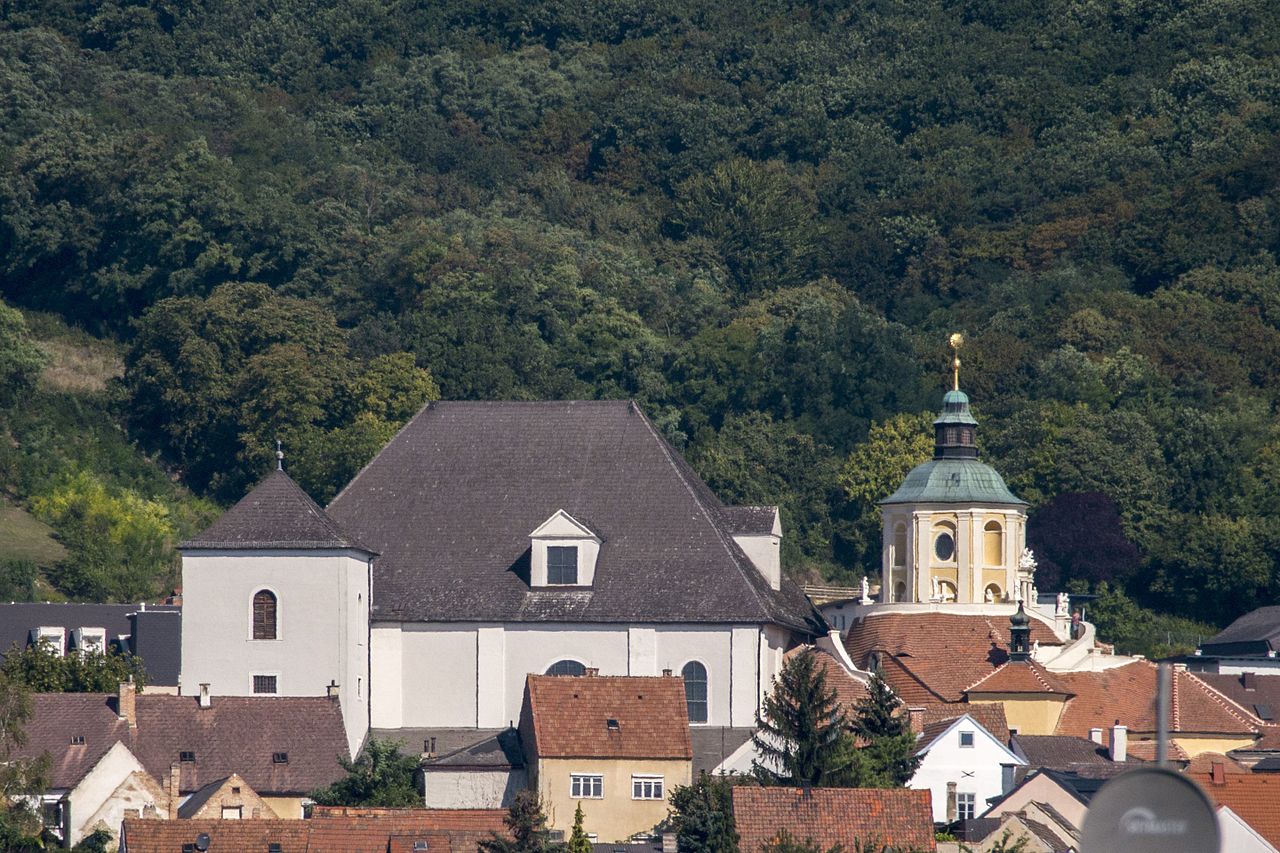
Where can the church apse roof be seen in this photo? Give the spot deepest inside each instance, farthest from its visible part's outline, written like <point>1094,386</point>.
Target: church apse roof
<point>277,514</point>
<point>450,501</point>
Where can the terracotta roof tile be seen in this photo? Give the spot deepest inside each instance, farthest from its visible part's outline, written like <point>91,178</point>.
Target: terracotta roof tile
<point>235,735</point>
<point>943,653</point>
<point>989,715</point>
<point>225,836</point>
<point>1255,797</point>
<point>576,716</point>
<point>1019,677</point>
<point>829,816</point>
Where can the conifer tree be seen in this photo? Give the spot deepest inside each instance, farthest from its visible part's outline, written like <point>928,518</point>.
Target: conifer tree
<point>889,752</point>
<point>702,816</point>
<point>578,841</point>
<point>528,826</point>
<point>803,737</point>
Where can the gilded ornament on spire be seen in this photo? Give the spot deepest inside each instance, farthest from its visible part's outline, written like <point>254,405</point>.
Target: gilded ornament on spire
<point>956,341</point>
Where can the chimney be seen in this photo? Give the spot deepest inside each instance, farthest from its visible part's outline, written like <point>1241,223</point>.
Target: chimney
<point>332,690</point>
<point>205,700</point>
<point>1095,735</point>
<point>175,775</point>
<point>1218,773</point>
<point>593,671</point>
<point>951,802</point>
<point>666,673</point>
<point>1119,746</point>
<point>127,702</point>
<point>916,718</point>
<point>669,844</point>
<point>1249,680</point>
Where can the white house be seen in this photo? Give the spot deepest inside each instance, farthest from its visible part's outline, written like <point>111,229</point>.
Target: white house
<point>962,765</point>
<point>485,542</point>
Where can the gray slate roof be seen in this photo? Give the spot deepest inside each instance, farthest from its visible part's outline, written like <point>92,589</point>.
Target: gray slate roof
<point>713,744</point>
<point>754,520</point>
<point>1254,633</point>
<point>1060,752</point>
<point>277,514</point>
<point>449,504</point>
<point>153,634</point>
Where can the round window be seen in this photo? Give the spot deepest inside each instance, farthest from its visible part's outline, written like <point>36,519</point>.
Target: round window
<point>944,546</point>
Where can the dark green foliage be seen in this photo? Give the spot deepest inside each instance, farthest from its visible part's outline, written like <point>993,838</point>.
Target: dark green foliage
<point>42,670</point>
<point>1080,536</point>
<point>803,737</point>
<point>889,745</point>
<point>20,778</point>
<point>98,841</point>
<point>20,359</point>
<point>527,824</point>
<point>380,776</point>
<point>702,815</point>
<point>18,580</point>
<point>578,841</point>
<point>1138,630</point>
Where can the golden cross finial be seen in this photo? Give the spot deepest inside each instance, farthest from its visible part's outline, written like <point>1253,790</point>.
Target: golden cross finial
<point>956,341</point>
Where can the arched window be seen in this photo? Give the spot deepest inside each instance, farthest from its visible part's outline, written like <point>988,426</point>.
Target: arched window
<point>993,544</point>
<point>264,615</point>
<point>566,667</point>
<point>947,590</point>
<point>899,544</point>
<point>695,691</point>
<point>992,593</point>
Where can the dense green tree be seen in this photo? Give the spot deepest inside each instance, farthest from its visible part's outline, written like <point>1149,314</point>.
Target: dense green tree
<point>42,669</point>
<point>20,358</point>
<point>702,815</point>
<point>803,737</point>
<point>527,824</point>
<point>380,776</point>
<point>21,779</point>
<point>888,747</point>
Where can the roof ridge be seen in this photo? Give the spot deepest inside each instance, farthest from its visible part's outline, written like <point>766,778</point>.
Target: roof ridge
<point>1225,701</point>
<point>985,677</point>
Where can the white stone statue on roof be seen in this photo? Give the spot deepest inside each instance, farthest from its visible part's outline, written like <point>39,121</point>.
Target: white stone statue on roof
<point>1027,562</point>
<point>866,591</point>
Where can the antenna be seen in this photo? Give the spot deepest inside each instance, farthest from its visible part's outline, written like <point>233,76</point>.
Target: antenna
<point>280,453</point>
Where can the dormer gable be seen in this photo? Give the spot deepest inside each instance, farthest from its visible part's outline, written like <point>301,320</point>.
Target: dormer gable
<point>563,553</point>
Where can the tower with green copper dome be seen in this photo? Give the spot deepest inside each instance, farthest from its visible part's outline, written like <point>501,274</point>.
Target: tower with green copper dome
<point>953,532</point>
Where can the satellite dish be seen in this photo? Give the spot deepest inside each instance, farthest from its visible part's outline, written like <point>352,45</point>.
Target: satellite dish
<point>1150,810</point>
<point>202,841</point>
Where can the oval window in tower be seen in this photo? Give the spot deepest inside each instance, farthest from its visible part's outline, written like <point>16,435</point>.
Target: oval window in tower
<point>944,546</point>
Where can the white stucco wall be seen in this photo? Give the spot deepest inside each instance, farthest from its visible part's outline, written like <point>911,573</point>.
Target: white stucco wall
<point>87,798</point>
<point>322,626</point>
<point>468,674</point>
<point>765,551</point>
<point>976,769</point>
<point>1237,836</point>
<point>472,789</point>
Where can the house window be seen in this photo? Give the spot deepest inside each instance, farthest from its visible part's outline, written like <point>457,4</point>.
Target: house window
<point>562,564</point>
<point>232,812</point>
<point>966,739</point>
<point>264,684</point>
<point>566,667</point>
<point>264,615</point>
<point>695,691</point>
<point>186,755</point>
<point>278,758</point>
<point>586,786</point>
<point>964,806</point>
<point>1006,777</point>
<point>647,788</point>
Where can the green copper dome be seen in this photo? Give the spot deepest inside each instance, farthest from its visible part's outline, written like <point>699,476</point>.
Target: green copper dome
<point>953,481</point>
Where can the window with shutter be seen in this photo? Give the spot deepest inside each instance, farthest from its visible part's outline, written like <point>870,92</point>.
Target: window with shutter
<point>264,616</point>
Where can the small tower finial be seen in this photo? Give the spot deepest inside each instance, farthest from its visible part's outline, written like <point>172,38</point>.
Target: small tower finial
<point>956,341</point>
<point>279,456</point>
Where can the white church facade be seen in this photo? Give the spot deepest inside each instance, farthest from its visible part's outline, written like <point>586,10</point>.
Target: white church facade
<point>485,542</point>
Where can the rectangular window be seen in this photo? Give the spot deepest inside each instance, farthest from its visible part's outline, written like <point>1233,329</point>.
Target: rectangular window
<point>647,788</point>
<point>964,806</point>
<point>264,684</point>
<point>232,812</point>
<point>562,564</point>
<point>966,738</point>
<point>586,786</point>
<point>186,755</point>
<point>1007,772</point>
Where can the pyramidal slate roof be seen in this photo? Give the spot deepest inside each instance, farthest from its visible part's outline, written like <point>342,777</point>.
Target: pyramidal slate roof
<point>277,514</point>
<point>450,502</point>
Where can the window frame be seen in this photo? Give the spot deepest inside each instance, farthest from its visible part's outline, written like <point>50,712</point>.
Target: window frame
<point>966,801</point>
<point>253,619</point>
<point>706,692</point>
<point>657,786</point>
<point>577,565</point>
<point>254,676</point>
<point>579,780</point>
<point>972,740</point>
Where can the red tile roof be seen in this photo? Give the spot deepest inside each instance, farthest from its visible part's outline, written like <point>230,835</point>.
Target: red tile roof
<point>1255,797</point>
<point>1019,677</point>
<point>235,735</point>
<point>1127,693</point>
<point>348,830</point>
<point>896,817</point>
<point>575,717</point>
<point>937,655</point>
<point>989,715</point>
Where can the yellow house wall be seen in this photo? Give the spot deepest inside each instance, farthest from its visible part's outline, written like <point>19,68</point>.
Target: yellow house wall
<point>1030,714</point>
<point>1193,746</point>
<point>615,816</point>
<point>289,808</point>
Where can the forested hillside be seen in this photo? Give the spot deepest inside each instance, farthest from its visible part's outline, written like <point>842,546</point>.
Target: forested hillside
<point>760,220</point>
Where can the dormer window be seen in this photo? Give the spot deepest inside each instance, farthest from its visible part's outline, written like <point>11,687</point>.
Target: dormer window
<point>562,565</point>
<point>563,552</point>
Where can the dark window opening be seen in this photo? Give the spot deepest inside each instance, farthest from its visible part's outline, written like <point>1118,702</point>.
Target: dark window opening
<point>264,615</point>
<point>186,755</point>
<point>264,684</point>
<point>695,691</point>
<point>612,724</point>
<point>279,758</point>
<point>566,667</point>
<point>562,564</point>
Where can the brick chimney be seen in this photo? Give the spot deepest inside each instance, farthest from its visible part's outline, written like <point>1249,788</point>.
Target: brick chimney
<point>175,776</point>
<point>1119,746</point>
<point>1218,773</point>
<point>127,702</point>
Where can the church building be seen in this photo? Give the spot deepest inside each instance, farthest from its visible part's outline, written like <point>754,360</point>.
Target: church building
<point>487,541</point>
